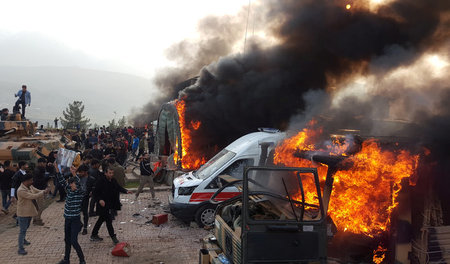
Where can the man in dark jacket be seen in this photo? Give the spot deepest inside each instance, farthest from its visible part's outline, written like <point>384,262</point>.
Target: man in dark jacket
<point>17,178</point>
<point>87,184</point>
<point>5,185</point>
<point>96,152</point>
<point>109,150</point>
<point>107,192</point>
<point>4,114</point>
<point>40,179</point>
<point>96,174</point>
<point>147,175</point>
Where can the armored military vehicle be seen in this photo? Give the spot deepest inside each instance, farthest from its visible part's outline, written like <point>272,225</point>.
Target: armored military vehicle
<point>21,141</point>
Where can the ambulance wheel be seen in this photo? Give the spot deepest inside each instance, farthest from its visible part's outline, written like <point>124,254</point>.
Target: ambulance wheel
<point>205,215</point>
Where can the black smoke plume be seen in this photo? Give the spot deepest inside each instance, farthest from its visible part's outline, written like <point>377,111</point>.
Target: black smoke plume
<point>321,44</point>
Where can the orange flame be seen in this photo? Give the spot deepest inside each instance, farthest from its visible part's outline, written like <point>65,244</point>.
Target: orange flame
<point>188,157</point>
<point>364,195</point>
<point>195,124</point>
<point>379,255</point>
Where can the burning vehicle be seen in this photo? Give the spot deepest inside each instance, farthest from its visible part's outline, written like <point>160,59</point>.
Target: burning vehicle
<point>367,180</point>
<point>266,224</point>
<point>359,184</point>
<point>192,191</point>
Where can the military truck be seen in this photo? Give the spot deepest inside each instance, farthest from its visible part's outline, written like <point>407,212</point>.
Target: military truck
<point>272,221</point>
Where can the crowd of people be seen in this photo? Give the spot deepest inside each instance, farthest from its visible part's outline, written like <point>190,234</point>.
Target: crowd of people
<point>90,187</point>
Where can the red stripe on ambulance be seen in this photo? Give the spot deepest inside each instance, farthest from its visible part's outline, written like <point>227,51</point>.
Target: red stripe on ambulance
<point>204,196</point>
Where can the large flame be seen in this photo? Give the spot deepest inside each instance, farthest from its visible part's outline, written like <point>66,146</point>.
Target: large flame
<point>364,195</point>
<point>188,158</point>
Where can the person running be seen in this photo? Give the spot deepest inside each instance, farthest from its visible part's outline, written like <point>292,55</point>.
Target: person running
<point>147,175</point>
<point>95,173</point>
<point>72,209</point>
<point>107,193</point>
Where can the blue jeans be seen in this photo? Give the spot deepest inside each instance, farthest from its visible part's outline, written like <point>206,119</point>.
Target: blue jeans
<point>6,199</point>
<point>72,227</point>
<point>24,223</point>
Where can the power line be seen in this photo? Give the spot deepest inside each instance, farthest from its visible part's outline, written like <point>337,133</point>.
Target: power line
<point>246,27</point>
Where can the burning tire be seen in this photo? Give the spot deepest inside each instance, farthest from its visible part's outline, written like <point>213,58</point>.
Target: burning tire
<point>205,215</point>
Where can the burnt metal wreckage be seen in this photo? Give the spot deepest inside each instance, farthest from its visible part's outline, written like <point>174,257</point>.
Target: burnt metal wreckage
<point>265,224</point>
<point>416,233</point>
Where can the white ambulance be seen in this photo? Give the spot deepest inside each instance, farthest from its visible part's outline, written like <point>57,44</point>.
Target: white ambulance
<point>191,191</point>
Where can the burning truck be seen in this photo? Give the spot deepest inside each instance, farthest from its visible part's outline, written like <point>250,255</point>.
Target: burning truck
<point>366,186</point>
<point>381,200</point>
<point>371,185</point>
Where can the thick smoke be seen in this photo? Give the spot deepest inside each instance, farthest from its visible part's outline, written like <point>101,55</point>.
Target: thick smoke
<point>321,46</point>
<point>217,37</point>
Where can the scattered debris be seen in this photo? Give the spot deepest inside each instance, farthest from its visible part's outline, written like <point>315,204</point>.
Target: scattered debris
<point>121,250</point>
<point>159,219</point>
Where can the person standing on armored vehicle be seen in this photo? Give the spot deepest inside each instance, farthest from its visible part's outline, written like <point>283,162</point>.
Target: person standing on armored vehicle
<point>24,99</point>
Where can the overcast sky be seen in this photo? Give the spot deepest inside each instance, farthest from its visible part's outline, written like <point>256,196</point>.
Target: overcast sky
<point>129,36</point>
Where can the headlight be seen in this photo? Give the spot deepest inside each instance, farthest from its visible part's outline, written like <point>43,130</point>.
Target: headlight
<point>186,190</point>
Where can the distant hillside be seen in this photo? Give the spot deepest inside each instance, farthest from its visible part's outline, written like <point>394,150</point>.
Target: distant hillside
<point>52,88</point>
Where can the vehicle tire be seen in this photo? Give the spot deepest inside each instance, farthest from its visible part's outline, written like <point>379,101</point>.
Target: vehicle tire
<point>205,215</point>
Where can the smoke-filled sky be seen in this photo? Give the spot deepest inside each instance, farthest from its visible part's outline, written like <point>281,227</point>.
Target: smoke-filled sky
<point>297,53</point>
<point>353,62</point>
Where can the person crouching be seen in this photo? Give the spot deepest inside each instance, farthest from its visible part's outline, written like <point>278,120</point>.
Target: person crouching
<point>72,208</point>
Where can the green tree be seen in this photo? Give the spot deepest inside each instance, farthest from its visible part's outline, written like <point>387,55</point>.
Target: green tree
<point>112,124</point>
<point>73,115</point>
<point>122,122</point>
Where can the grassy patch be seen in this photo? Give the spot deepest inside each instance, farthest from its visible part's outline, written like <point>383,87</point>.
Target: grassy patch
<point>133,184</point>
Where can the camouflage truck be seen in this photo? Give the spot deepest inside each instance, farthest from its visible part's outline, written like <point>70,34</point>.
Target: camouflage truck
<point>21,141</point>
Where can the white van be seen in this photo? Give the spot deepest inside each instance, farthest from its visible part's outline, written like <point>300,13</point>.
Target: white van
<point>191,191</point>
